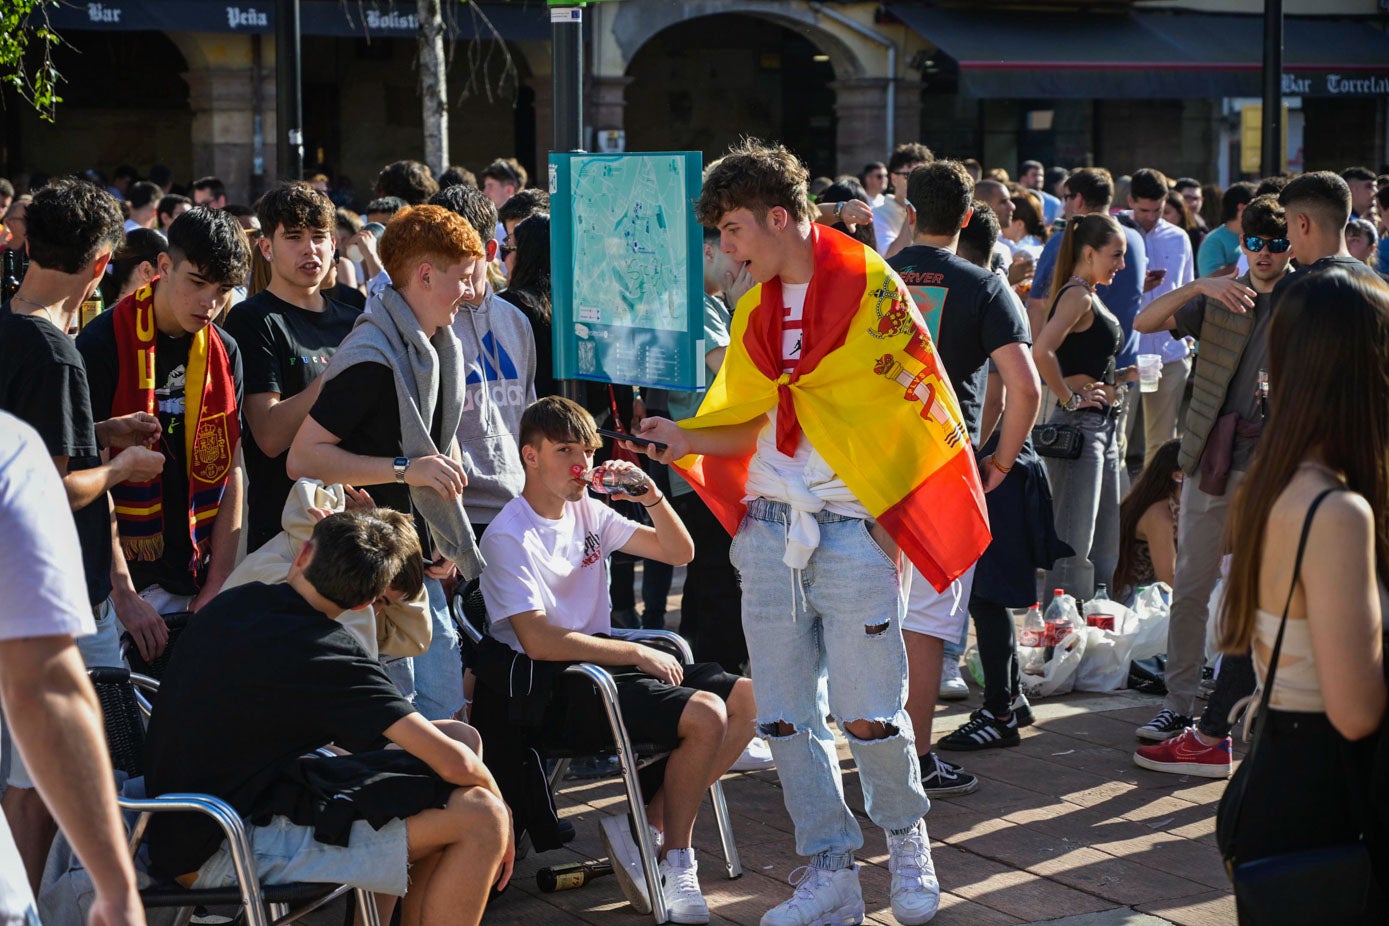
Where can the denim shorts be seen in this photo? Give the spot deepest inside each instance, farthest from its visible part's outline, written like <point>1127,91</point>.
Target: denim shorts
<point>375,860</point>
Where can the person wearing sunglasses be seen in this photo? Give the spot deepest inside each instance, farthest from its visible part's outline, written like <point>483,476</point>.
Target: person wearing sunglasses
<point>1230,317</point>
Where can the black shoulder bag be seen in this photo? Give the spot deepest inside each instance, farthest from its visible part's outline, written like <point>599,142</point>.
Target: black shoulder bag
<point>1331,884</point>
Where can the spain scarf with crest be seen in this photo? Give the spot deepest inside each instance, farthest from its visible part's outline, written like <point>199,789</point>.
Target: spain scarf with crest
<point>871,396</point>
<point>211,429</point>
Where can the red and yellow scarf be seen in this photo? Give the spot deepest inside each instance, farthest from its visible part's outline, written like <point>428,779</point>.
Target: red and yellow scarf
<point>870,395</point>
<point>211,429</point>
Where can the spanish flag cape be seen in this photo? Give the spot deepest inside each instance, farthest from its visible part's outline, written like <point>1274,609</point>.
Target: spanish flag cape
<point>870,395</point>
<point>211,429</point>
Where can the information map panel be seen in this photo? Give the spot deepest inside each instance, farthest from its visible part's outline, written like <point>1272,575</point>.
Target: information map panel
<point>627,268</point>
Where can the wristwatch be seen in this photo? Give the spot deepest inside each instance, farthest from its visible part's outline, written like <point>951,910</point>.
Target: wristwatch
<point>1073,402</point>
<point>401,464</point>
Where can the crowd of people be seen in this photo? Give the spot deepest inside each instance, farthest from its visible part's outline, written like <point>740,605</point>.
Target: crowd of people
<point>300,427</point>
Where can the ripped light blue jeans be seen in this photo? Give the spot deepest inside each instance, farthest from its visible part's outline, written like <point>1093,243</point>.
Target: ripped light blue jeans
<point>828,638</point>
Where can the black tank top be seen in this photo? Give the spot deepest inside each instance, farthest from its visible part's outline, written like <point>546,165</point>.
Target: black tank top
<point>1093,350</point>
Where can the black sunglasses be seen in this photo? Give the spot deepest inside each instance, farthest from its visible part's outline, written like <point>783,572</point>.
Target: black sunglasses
<point>1275,245</point>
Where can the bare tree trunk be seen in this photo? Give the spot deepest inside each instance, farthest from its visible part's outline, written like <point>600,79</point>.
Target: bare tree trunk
<point>433,84</point>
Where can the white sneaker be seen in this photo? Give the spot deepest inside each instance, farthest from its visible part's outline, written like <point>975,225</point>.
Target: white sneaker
<point>915,890</point>
<point>952,685</point>
<point>680,885</point>
<point>756,758</point>
<point>822,898</point>
<point>625,858</point>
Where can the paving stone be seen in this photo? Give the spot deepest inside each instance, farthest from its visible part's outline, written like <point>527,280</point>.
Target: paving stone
<point>1119,916</point>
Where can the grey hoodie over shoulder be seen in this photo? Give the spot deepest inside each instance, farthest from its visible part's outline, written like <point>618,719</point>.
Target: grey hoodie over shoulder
<point>498,383</point>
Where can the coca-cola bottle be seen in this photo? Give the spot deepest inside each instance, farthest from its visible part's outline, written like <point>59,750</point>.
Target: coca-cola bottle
<point>1061,619</point>
<point>606,480</point>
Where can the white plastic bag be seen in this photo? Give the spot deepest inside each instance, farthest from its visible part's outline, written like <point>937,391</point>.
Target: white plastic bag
<point>1041,677</point>
<point>1105,663</point>
<point>1152,610</point>
<point>975,665</point>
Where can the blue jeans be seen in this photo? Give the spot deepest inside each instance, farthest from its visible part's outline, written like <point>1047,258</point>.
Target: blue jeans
<point>829,638</point>
<point>439,670</point>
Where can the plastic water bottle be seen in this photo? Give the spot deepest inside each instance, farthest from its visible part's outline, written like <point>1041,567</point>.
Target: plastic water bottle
<point>1032,627</point>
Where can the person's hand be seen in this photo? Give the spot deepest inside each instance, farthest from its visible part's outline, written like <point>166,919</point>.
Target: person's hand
<point>1230,293</point>
<point>440,472</point>
<point>138,464</point>
<point>137,429</point>
<point>855,212</point>
<point>1127,375</point>
<point>508,854</point>
<point>736,286</point>
<point>365,241</point>
<point>356,499</point>
<point>1153,279</point>
<point>668,433</point>
<point>441,569</point>
<point>650,497</point>
<point>146,627</point>
<point>990,476</point>
<point>1095,395</point>
<point>661,665</point>
<point>117,911</point>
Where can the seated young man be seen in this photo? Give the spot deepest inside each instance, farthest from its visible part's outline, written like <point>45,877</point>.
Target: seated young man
<point>546,590</point>
<point>221,727</point>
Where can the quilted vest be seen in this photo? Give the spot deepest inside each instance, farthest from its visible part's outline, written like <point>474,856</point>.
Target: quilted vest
<point>1224,336</point>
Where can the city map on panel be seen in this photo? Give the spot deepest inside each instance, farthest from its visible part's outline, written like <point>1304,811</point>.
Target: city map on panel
<point>628,290</point>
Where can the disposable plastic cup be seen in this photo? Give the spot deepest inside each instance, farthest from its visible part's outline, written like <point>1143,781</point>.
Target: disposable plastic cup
<point>1149,372</point>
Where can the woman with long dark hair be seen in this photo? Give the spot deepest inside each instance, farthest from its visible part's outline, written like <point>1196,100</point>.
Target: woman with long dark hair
<point>1322,467</point>
<point>1075,353</point>
<point>1148,525</point>
<point>134,264</point>
<point>529,290</point>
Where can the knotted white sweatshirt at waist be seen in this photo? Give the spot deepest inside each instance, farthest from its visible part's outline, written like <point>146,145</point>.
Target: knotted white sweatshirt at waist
<point>807,491</point>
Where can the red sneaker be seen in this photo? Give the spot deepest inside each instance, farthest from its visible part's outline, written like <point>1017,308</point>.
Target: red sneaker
<point>1184,754</point>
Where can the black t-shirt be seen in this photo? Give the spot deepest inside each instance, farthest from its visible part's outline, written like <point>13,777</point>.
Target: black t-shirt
<point>544,343</point>
<point>1346,263</point>
<point>284,349</point>
<point>97,342</point>
<point>349,296</point>
<point>43,382</point>
<point>359,407</point>
<point>258,679</point>
<point>977,317</point>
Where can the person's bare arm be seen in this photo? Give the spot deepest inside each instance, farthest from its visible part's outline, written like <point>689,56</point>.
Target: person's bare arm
<point>1019,376</point>
<point>274,421</point>
<point>84,486</point>
<point>450,759</point>
<point>135,614</point>
<point>56,719</point>
<point>1343,615</point>
<point>1160,314</point>
<point>1072,305</point>
<point>904,234</point>
<point>226,535</point>
<point>315,454</point>
<point>733,440</point>
<point>548,642</point>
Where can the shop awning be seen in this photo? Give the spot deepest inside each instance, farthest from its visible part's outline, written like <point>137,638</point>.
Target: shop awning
<point>1149,55</point>
<point>517,21</point>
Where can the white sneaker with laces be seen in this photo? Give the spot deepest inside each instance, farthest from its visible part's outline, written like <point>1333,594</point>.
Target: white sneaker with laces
<point>952,684</point>
<point>755,758</point>
<point>915,891</point>
<point>821,898</point>
<point>625,858</point>
<point>680,884</point>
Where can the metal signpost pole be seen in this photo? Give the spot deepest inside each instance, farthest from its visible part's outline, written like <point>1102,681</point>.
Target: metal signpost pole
<point>289,108</point>
<point>567,72</point>
<point>1271,149</point>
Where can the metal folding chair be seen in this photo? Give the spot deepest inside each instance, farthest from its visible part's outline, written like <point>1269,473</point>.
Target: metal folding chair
<point>125,708</point>
<point>470,614</point>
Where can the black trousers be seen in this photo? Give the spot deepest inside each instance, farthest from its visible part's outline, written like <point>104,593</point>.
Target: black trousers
<point>711,612</point>
<point>998,653</point>
<point>1235,680</point>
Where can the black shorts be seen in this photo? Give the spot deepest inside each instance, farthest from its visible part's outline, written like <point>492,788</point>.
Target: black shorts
<point>650,707</point>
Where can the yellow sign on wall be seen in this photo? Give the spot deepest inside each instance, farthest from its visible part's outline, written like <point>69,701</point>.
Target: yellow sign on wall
<point>1251,138</point>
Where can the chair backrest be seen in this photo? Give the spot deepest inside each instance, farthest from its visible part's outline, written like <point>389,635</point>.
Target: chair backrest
<point>176,622</point>
<point>125,726</point>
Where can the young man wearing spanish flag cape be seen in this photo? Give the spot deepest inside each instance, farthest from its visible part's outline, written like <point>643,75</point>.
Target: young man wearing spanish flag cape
<point>832,442</point>
<point>158,351</point>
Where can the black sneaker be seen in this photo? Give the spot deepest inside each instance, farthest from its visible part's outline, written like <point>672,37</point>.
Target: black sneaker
<point>1022,711</point>
<point>1167,724</point>
<point>940,778</point>
<point>984,731</point>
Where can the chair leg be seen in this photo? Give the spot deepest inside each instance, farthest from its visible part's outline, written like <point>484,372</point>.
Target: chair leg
<point>182,915</point>
<point>366,905</point>
<point>278,911</point>
<point>732,861</point>
<point>627,758</point>
<point>561,766</point>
